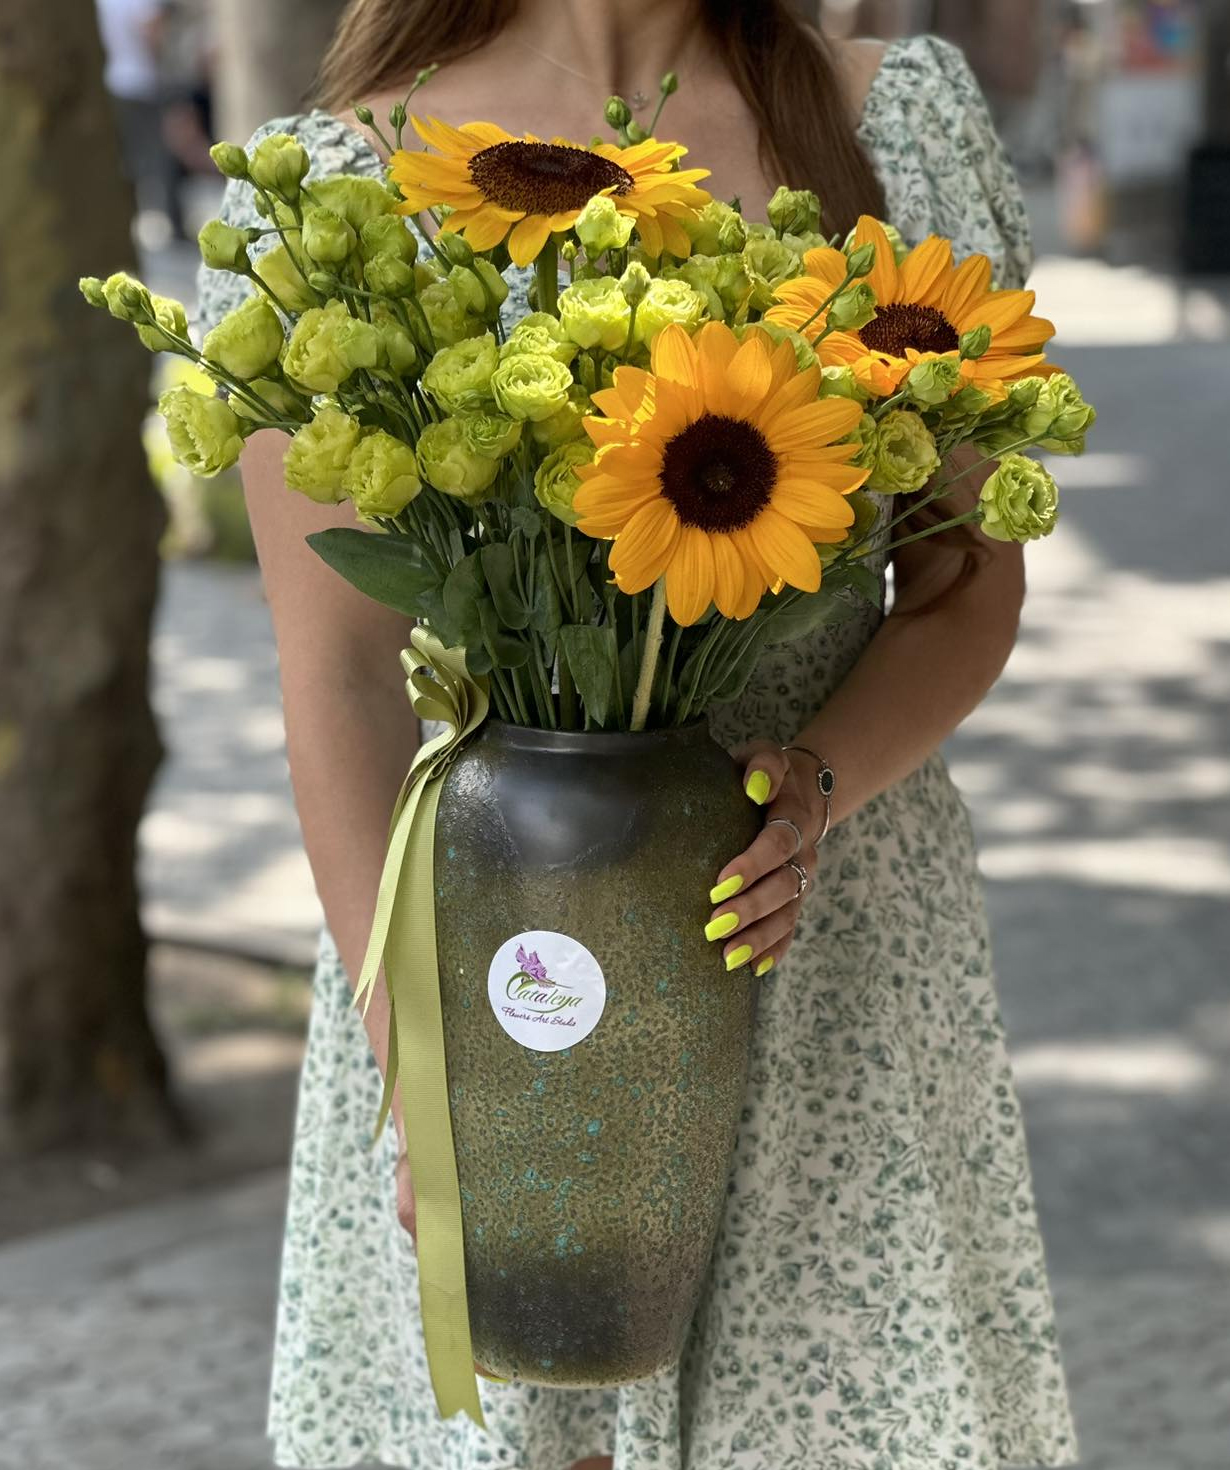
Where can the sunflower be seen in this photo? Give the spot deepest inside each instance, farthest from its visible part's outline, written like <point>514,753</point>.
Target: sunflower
<point>520,189</point>
<point>924,306</point>
<point>718,469</point>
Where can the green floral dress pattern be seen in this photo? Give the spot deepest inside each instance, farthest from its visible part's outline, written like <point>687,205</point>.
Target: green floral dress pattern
<point>877,1297</point>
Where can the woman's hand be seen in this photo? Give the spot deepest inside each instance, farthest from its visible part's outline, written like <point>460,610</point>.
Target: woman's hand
<point>757,894</point>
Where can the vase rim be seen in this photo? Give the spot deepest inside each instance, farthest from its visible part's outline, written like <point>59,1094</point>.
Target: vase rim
<point>591,742</point>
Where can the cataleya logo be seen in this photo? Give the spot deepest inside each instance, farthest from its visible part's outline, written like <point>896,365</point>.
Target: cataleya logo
<point>533,989</point>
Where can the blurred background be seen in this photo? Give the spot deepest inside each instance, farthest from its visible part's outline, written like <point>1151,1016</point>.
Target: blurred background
<point>147,1069</point>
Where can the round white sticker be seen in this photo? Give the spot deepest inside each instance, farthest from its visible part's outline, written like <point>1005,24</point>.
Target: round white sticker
<point>546,989</point>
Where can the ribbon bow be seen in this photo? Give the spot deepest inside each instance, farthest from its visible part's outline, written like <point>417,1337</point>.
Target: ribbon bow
<point>404,935</point>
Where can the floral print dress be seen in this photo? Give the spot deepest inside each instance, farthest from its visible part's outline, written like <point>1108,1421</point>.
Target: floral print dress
<point>877,1297</point>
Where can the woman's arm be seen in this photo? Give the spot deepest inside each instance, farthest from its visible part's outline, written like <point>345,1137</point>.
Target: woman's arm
<point>952,626</point>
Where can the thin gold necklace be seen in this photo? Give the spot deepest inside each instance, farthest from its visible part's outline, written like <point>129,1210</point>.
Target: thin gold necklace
<point>637,101</point>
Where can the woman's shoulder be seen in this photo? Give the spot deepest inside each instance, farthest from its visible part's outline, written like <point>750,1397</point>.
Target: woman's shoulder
<point>918,72</point>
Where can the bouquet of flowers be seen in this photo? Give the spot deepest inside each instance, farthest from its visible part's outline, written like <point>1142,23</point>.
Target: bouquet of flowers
<point>600,511</point>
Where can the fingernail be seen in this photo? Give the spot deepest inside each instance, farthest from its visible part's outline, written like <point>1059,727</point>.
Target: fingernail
<point>726,890</point>
<point>491,1377</point>
<point>723,925</point>
<point>738,956</point>
<point>765,965</point>
<point>757,787</point>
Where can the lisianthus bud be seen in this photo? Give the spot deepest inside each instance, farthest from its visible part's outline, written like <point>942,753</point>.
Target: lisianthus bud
<point>479,287</point>
<point>853,308</point>
<point>794,211</point>
<point>453,248</point>
<point>127,298</point>
<point>669,84</point>
<point>204,433</point>
<point>715,228</point>
<point>356,197</point>
<point>446,461</point>
<point>768,263</point>
<point>397,116</point>
<point>279,164</point>
<point>861,261</point>
<point>247,341</point>
<point>316,457</point>
<point>324,281</point>
<point>230,160</point>
<point>840,382</point>
<point>539,332</point>
<point>595,313</point>
<point>567,424</point>
<point>636,133</point>
<point>279,272</point>
<point>459,377</point>
<point>1071,416</point>
<point>388,276</point>
<point>895,239</point>
<point>282,402</point>
<point>490,434</point>
<point>388,234</point>
<point>933,381</point>
<point>327,345</point>
<point>224,248</point>
<point>1019,501</point>
<point>635,283</point>
<point>381,476</point>
<point>531,385</point>
<point>903,456</point>
<point>398,353</point>
<point>617,112</point>
<point>974,343</point>
<point>327,238</point>
<point>556,481</point>
<point>668,303</point>
<point>91,287</point>
<point>169,316</point>
<point>600,226</point>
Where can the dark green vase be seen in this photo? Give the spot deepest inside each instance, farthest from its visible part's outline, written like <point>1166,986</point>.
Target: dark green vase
<point>597,1048</point>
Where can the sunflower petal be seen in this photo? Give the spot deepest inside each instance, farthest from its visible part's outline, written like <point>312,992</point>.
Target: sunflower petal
<point>826,265</point>
<point>645,546</point>
<point>528,237</point>
<point>883,276</point>
<point>922,275</point>
<point>690,577</point>
<point>785,549</point>
<point>970,282</point>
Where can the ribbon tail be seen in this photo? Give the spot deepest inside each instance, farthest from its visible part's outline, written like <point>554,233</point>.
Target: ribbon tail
<point>390,1082</point>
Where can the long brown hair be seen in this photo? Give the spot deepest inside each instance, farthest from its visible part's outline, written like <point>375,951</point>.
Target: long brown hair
<point>782,70</point>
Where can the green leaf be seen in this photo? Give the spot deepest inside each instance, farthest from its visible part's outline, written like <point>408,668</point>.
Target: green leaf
<point>805,614</point>
<point>500,573</point>
<point>859,579</point>
<point>727,676</point>
<point>545,615</point>
<point>464,592</point>
<point>392,570</point>
<point>505,650</point>
<point>591,656</point>
<point>526,522</point>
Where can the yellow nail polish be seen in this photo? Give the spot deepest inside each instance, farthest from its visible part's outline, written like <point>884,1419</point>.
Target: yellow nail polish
<point>765,965</point>
<point>726,889</point>
<point>757,787</point>
<point>723,925</point>
<point>738,956</point>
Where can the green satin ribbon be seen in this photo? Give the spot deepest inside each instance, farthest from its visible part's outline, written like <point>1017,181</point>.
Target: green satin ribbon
<point>404,936</point>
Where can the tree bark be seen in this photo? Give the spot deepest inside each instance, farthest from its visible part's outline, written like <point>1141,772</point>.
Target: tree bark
<point>78,572</point>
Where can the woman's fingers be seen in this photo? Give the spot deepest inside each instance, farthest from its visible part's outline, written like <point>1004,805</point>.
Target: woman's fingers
<point>760,920</point>
<point>765,767</point>
<point>405,1199</point>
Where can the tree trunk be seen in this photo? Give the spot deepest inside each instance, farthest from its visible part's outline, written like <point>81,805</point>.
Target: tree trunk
<point>78,571</point>
<point>268,54</point>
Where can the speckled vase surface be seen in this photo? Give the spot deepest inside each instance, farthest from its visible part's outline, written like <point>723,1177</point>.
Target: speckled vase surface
<point>597,1047</point>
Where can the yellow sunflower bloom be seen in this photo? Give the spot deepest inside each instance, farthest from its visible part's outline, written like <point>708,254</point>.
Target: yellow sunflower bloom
<point>718,469</point>
<point>521,189</point>
<point>924,306</point>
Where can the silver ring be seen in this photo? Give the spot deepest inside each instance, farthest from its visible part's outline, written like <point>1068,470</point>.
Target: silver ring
<point>786,822</point>
<point>801,873</point>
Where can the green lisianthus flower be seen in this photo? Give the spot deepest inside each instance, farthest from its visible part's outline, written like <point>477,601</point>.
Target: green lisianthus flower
<point>381,476</point>
<point>446,461</point>
<point>357,198</point>
<point>288,283</point>
<point>840,382</point>
<point>479,287</point>
<point>768,263</point>
<point>556,481</point>
<point>448,319</point>
<point>490,434</point>
<point>539,332</point>
<point>794,211</point>
<point>1020,501</point>
<point>567,424</point>
<point>903,455</point>
<point>279,164</point>
<point>388,234</point>
<point>223,247</point>
<point>205,435</point>
<point>283,402</point>
<point>531,385</point>
<point>398,353</point>
<point>316,457</point>
<point>327,345</point>
<point>853,308</point>
<point>933,381</point>
<point>668,303</point>
<point>247,341</point>
<point>327,238</point>
<point>716,229</point>
<point>459,377</point>
<point>170,316</point>
<point>595,313</point>
<point>600,227</point>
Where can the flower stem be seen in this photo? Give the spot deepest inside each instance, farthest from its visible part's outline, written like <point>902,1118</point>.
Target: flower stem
<point>649,656</point>
<point>546,268</point>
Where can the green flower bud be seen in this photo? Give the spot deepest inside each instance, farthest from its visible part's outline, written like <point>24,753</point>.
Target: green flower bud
<point>279,164</point>
<point>127,298</point>
<point>169,316</point>
<point>279,272</point>
<point>91,287</point>
<point>327,345</point>
<point>794,211</point>
<point>668,303</point>
<point>716,228</point>
<point>365,115</point>
<point>556,481</point>
<point>840,382</point>
<point>490,434</point>
<point>316,457</point>
<point>903,454</point>
<point>933,381</point>
<point>480,288</point>
<point>230,160</point>
<point>565,425</point>
<point>634,283</point>
<point>204,433</point>
<point>446,461</point>
<point>388,234</point>
<point>539,332</point>
<point>397,116</point>
<point>282,402</point>
<point>327,238</point>
<point>247,341</point>
<point>386,275</point>
<point>617,113</point>
<point>357,198</point>
<point>974,343</point>
<point>325,282</point>
<point>635,133</point>
<point>861,261</point>
<point>600,226</point>
<point>446,316</point>
<point>768,263</point>
<point>895,239</point>
<point>669,84</point>
<point>381,476</point>
<point>531,385</point>
<point>1071,416</point>
<point>1019,501</point>
<point>453,248</point>
<point>731,235</point>
<point>459,377</point>
<point>595,313</point>
<point>397,353</point>
<point>224,248</point>
<point>853,308</point>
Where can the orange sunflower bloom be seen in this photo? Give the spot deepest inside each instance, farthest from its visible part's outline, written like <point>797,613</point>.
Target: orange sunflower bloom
<point>924,306</point>
<point>718,469</point>
<point>519,190</point>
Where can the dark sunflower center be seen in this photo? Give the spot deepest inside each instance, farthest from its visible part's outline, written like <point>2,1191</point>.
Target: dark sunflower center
<point>544,178</point>
<point>718,473</point>
<point>900,325</point>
